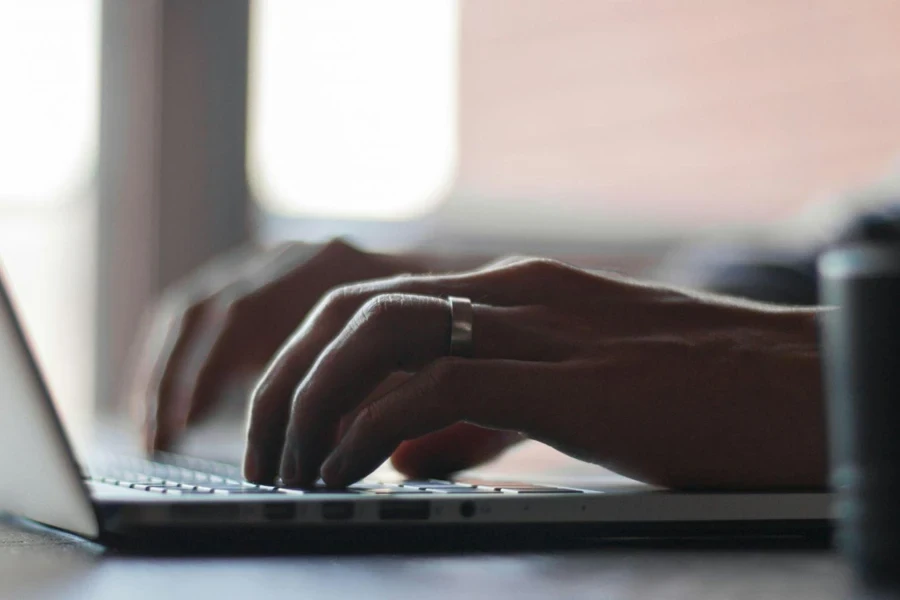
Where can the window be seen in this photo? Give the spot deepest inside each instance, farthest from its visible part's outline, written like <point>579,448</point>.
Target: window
<point>354,107</point>
<point>582,116</point>
<point>49,62</point>
<point>689,113</point>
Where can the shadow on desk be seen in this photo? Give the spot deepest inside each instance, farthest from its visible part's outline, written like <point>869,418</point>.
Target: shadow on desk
<point>435,539</point>
<point>36,562</point>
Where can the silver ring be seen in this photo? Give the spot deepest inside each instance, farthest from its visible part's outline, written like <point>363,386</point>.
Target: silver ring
<point>460,326</point>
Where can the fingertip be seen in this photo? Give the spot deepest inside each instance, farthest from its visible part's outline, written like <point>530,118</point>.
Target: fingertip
<point>333,470</point>
<point>252,469</point>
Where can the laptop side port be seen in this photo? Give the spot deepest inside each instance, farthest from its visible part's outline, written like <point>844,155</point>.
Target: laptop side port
<point>404,510</point>
<point>337,511</point>
<point>279,511</point>
<point>191,511</point>
<point>467,509</point>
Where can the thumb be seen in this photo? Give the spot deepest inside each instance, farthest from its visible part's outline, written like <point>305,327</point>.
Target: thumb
<point>460,446</point>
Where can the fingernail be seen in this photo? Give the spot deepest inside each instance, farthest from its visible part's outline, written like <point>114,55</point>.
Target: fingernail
<point>290,464</point>
<point>334,467</point>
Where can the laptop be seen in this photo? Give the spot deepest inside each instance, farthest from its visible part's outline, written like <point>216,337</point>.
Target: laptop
<point>122,500</point>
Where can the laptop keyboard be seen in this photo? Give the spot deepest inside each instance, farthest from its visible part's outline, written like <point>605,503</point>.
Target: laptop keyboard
<point>176,475</point>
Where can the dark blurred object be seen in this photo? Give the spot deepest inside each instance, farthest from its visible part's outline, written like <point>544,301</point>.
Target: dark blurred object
<point>774,274</point>
<point>861,350</point>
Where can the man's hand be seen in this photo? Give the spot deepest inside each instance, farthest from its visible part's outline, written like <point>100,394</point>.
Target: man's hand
<point>224,324</point>
<point>658,384</point>
<point>220,327</point>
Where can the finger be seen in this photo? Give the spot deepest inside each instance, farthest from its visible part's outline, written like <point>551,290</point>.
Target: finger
<point>519,282</point>
<point>455,448</point>
<point>192,332</point>
<point>499,284</point>
<point>493,393</point>
<point>247,323</point>
<point>153,335</point>
<point>390,333</point>
<point>161,342</point>
<point>235,341</point>
<point>165,415</point>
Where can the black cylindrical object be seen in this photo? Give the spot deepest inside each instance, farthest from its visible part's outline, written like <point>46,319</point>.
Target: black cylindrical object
<point>861,365</point>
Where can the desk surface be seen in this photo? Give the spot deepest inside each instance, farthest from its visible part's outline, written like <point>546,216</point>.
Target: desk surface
<point>38,564</point>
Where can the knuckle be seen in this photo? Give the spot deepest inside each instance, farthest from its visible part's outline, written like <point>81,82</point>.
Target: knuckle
<point>336,297</point>
<point>193,311</point>
<point>506,261</point>
<point>368,417</point>
<point>338,248</point>
<point>444,371</point>
<point>445,382</point>
<point>381,308</point>
<point>338,303</point>
<point>172,313</point>
<point>540,269</point>
<point>228,313</point>
<point>543,265</point>
<point>446,375</point>
<point>175,301</point>
<point>233,302</point>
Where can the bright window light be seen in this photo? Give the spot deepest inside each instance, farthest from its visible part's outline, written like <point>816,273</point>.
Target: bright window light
<point>48,107</point>
<point>49,77</point>
<point>353,107</point>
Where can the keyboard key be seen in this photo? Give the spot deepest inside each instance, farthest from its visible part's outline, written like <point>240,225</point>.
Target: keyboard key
<point>132,481</point>
<point>431,483</point>
<point>371,486</point>
<point>465,491</point>
<point>396,491</point>
<point>439,488</point>
<point>139,486</point>
<point>497,485</point>
<point>319,490</point>
<point>510,487</point>
<point>544,490</point>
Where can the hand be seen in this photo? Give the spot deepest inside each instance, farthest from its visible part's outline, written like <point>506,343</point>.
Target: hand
<point>655,383</point>
<point>222,325</point>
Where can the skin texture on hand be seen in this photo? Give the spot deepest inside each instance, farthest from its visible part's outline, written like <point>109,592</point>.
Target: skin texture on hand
<point>665,386</point>
<point>223,324</point>
<point>226,322</point>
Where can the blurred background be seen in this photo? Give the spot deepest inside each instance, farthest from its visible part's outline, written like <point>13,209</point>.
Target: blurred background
<point>139,138</point>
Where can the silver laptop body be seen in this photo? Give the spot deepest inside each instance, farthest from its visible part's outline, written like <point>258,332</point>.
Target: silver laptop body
<point>189,499</point>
